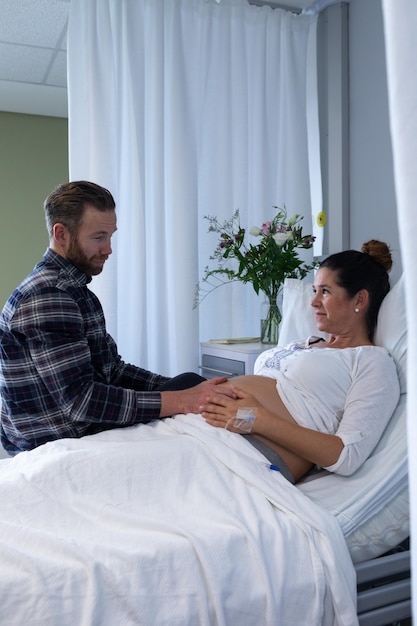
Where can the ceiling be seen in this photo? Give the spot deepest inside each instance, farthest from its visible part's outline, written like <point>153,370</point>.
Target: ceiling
<point>33,75</point>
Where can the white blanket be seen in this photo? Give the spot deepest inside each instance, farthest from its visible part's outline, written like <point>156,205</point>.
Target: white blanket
<point>173,523</point>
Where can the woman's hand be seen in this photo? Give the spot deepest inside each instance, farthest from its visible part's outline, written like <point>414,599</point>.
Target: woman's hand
<point>220,410</point>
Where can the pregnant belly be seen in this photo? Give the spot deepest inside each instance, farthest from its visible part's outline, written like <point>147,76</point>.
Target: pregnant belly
<point>264,389</point>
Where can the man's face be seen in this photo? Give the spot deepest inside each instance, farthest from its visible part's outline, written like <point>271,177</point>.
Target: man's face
<point>91,247</point>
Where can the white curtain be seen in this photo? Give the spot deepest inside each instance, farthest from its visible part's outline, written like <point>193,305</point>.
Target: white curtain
<point>400,24</point>
<point>183,109</point>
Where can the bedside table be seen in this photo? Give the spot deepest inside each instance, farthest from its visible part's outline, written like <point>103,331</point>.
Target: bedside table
<point>229,360</point>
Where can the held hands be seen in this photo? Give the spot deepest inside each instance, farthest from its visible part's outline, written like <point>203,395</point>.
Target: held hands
<point>198,396</point>
<point>232,412</point>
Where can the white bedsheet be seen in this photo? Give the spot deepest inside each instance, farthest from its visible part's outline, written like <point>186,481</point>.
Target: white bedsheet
<point>173,523</point>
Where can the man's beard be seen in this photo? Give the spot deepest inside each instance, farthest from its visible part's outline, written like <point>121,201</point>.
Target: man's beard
<point>81,261</point>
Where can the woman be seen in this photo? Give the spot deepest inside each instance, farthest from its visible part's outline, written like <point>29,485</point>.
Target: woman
<point>323,401</point>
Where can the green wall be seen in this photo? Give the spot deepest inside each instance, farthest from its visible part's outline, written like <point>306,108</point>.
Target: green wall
<point>33,160</point>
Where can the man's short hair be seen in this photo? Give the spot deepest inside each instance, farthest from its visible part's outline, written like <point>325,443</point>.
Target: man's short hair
<point>67,203</point>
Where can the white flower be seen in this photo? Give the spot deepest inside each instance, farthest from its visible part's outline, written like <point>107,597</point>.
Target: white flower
<point>255,231</point>
<point>294,219</point>
<point>281,238</point>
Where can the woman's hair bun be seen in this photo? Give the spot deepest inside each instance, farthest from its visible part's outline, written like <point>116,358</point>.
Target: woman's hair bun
<point>379,251</point>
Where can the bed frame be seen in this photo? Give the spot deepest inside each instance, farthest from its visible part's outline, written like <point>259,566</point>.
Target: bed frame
<point>384,588</point>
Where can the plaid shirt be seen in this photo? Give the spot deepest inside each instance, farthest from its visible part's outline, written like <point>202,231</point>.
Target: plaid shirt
<point>60,374</point>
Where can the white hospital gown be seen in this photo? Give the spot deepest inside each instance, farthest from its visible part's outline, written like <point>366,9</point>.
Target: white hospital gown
<point>349,392</point>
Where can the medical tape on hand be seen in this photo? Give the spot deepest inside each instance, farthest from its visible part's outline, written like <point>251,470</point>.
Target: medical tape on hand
<point>244,420</point>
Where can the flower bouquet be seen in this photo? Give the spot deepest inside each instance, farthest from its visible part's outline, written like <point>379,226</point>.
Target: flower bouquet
<point>265,264</point>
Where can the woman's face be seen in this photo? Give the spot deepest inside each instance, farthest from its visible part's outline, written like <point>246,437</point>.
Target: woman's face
<point>334,309</point>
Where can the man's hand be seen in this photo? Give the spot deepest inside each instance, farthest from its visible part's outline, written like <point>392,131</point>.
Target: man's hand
<point>192,400</point>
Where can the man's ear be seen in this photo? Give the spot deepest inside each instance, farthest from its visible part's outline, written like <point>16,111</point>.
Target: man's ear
<point>60,234</point>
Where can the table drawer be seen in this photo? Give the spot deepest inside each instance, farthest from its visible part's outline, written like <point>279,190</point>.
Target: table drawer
<point>212,366</point>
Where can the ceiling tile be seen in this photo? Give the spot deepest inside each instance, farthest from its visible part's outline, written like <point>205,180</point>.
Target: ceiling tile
<point>23,63</point>
<point>57,75</point>
<point>33,22</point>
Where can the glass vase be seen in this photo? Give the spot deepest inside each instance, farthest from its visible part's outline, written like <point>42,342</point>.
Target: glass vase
<point>270,321</point>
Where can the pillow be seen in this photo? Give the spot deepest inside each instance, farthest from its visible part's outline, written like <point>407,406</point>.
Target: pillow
<point>298,321</point>
<point>391,330</point>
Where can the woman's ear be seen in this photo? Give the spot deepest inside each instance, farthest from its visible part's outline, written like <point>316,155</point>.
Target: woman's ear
<point>361,298</point>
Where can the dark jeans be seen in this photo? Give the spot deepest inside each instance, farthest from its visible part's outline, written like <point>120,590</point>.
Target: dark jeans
<point>182,381</point>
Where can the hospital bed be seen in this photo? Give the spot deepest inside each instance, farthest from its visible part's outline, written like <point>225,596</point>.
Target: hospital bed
<point>175,523</point>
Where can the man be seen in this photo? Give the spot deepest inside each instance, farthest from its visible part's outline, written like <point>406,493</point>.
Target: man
<point>60,373</point>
